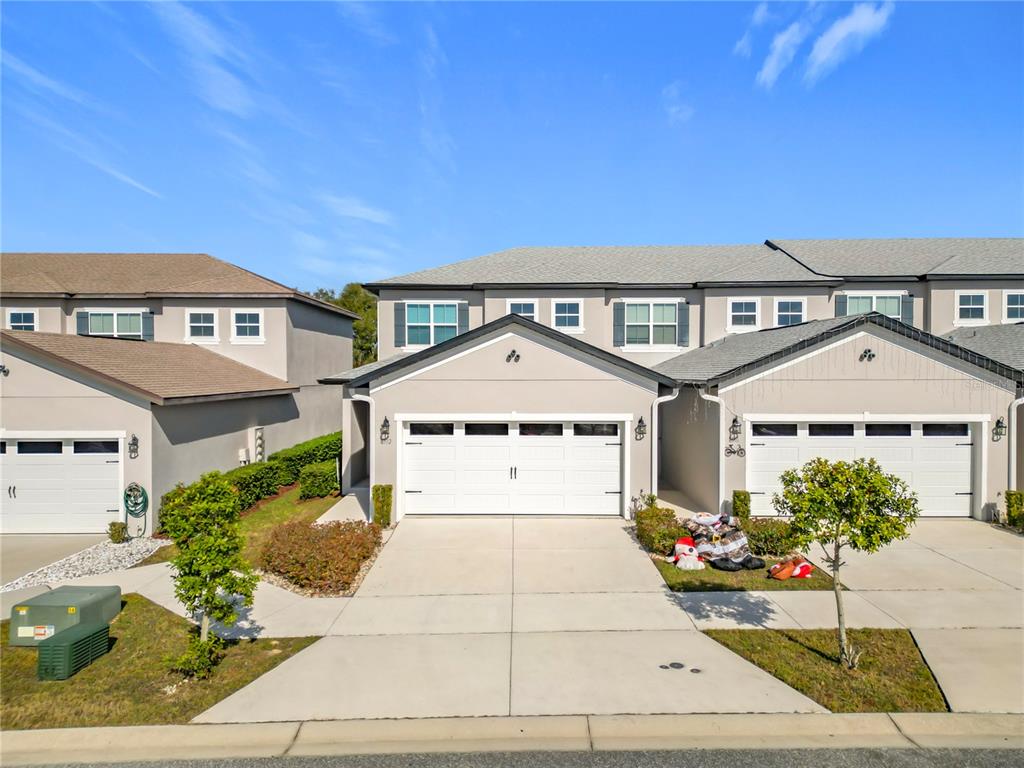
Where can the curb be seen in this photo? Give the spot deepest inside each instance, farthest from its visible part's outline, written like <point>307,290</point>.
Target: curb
<point>519,734</point>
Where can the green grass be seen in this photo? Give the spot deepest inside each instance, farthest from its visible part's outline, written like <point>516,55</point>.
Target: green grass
<point>131,684</point>
<point>891,677</point>
<point>711,580</point>
<point>260,520</point>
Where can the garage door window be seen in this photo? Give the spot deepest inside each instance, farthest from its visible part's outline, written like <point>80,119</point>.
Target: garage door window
<point>486,430</point>
<point>40,446</point>
<point>774,430</point>
<point>595,430</point>
<point>95,446</point>
<point>431,429</point>
<point>944,430</point>
<point>830,430</point>
<point>3,446</point>
<point>887,430</point>
<point>540,430</point>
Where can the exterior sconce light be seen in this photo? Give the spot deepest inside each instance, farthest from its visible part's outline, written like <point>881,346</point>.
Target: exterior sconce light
<point>641,429</point>
<point>385,430</point>
<point>999,430</point>
<point>734,429</point>
<point>133,446</point>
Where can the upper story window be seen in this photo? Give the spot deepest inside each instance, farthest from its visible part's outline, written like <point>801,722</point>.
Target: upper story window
<point>789,311</point>
<point>888,304</point>
<point>21,319</point>
<point>1013,306</point>
<point>123,325</point>
<point>431,322</point>
<point>971,308</point>
<point>247,326</point>
<point>568,315</point>
<point>523,307</point>
<point>650,323</point>
<point>201,325</point>
<point>744,315</point>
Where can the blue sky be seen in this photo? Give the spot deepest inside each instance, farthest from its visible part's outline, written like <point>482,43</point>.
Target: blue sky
<point>318,143</point>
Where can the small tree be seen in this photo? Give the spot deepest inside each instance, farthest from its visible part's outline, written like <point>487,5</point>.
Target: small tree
<point>845,504</point>
<point>209,572</point>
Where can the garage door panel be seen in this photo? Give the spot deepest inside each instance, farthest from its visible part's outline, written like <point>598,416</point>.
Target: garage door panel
<point>432,477</point>
<point>474,477</point>
<point>595,478</point>
<point>608,453</point>
<point>429,502</point>
<point>547,477</point>
<point>593,504</point>
<point>493,502</point>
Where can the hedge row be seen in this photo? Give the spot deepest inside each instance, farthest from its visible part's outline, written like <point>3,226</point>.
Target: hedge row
<point>292,460</point>
<point>382,505</point>
<point>1015,510</point>
<point>323,558</point>
<point>318,480</point>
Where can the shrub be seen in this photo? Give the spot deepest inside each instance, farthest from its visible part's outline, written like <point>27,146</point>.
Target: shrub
<point>768,536</point>
<point>118,532</point>
<point>657,529</point>
<point>1015,509</point>
<point>318,480</point>
<point>254,482</point>
<point>201,657</point>
<point>382,505</point>
<point>292,460</point>
<point>322,558</point>
<point>741,505</point>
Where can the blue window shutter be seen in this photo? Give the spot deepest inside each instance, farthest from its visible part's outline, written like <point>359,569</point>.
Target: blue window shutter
<point>399,324</point>
<point>907,309</point>
<point>841,305</point>
<point>463,317</point>
<point>147,326</point>
<point>683,324</point>
<point>82,321</point>
<point>618,324</point>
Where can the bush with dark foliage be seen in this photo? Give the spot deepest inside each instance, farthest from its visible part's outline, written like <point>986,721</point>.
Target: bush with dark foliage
<point>657,529</point>
<point>292,460</point>
<point>254,482</point>
<point>382,505</point>
<point>321,558</point>
<point>318,480</point>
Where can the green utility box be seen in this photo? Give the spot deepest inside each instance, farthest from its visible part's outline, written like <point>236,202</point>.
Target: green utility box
<point>70,650</point>
<point>51,612</point>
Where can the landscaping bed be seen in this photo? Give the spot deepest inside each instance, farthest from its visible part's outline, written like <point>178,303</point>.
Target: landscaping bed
<point>892,675</point>
<point>711,580</point>
<point>131,685</point>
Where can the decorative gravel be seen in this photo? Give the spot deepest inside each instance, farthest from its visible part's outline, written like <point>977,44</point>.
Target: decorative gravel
<point>100,558</point>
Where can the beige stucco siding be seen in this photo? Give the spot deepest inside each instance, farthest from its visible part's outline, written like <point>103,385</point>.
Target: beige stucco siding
<point>49,315</point>
<point>691,448</point>
<point>942,310</point>
<point>716,307</point>
<point>386,313</point>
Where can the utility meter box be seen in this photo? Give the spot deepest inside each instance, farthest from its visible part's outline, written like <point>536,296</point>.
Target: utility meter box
<point>47,614</point>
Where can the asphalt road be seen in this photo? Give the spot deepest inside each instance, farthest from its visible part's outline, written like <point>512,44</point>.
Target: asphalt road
<point>861,758</point>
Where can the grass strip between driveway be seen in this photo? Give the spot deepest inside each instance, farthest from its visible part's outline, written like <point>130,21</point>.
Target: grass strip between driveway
<point>130,685</point>
<point>711,580</point>
<point>892,675</point>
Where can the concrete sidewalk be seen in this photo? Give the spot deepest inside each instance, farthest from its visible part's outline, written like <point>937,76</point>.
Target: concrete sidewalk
<point>507,734</point>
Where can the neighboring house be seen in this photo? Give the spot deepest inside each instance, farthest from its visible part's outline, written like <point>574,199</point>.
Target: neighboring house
<point>149,368</point>
<point>568,380</point>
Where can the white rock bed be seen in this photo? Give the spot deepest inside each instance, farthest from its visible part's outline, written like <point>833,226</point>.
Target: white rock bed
<point>99,558</point>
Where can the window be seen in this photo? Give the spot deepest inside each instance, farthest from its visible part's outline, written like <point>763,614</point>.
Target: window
<point>247,326</point>
<point>122,325</point>
<point>887,430</point>
<point>970,308</point>
<point>523,307</point>
<point>568,315</point>
<point>944,430</point>
<point>430,323</point>
<point>201,325</point>
<point>1013,306</point>
<point>3,446</point>
<point>789,311</point>
<point>540,430</point>
<point>887,304</point>
<point>21,319</point>
<point>40,446</point>
<point>773,430</point>
<point>744,315</point>
<point>595,430</point>
<point>650,323</point>
<point>830,430</point>
<point>431,429</point>
<point>95,446</point>
<point>486,430</point>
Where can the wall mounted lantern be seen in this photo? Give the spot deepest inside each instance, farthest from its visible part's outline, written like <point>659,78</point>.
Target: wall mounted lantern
<point>999,430</point>
<point>734,429</point>
<point>133,446</point>
<point>641,429</point>
<point>385,430</point>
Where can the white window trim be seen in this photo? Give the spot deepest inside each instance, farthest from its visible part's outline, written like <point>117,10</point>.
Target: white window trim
<point>652,346</point>
<point>108,311</point>
<point>580,328</point>
<point>779,300</point>
<point>215,339</point>
<point>983,320</point>
<point>536,307</point>
<point>879,295</point>
<point>261,339</point>
<point>431,302</point>
<point>729,327</point>
<point>1007,293</point>
<point>35,316</point>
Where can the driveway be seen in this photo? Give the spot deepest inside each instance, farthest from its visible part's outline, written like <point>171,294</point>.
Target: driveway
<point>503,616</point>
<point>22,553</point>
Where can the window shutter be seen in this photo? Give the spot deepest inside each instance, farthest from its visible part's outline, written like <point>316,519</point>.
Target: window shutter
<point>683,324</point>
<point>147,326</point>
<point>841,305</point>
<point>618,324</point>
<point>399,324</point>
<point>82,321</point>
<point>907,309</point>
<point>463,317</point>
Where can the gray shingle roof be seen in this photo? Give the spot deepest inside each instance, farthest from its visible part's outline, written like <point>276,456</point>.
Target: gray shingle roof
<point>896,257</point>
<point>354,373</point>
<point>1002,343</point>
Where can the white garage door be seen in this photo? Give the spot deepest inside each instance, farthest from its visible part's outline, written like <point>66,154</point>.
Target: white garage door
<point>934,459</point>
<point>59,486</point>
<point>512,468</point>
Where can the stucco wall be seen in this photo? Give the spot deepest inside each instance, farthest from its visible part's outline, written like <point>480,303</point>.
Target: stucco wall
<point>690,448</point>
<point>942,310</point>
<point>386,313</point>
<point>49,315</point>
<point>716,306</point>
<point>319,343</point>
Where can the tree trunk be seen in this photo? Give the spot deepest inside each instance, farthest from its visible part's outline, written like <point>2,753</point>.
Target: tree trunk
<point>204,628</point>
<point>845,650</point>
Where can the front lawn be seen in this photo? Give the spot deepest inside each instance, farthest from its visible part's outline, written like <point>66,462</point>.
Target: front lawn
<point>257,522</point>
<point>892,675</point>
<point>131,684</point>
<point>711,580</point>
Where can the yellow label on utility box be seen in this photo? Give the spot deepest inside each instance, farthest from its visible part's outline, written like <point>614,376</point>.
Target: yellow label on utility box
<point>72,609</point>
<point>21,609</point>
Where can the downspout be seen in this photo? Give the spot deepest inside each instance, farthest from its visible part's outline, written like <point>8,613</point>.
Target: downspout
<point>371,447</point>
<point>1011,474</point>
<point>721,468</point>
<point>654,435</point>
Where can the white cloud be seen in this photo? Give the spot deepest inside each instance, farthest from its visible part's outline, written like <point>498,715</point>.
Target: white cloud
<point>783,49</point>
<point>37,82</point>
<point>676,107</point>
<point>434,136</point>
<point>354,208</point>
<point>846,37</point>
<point>760,15</point>
<point>757,18</point>
<point>367,20</point>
